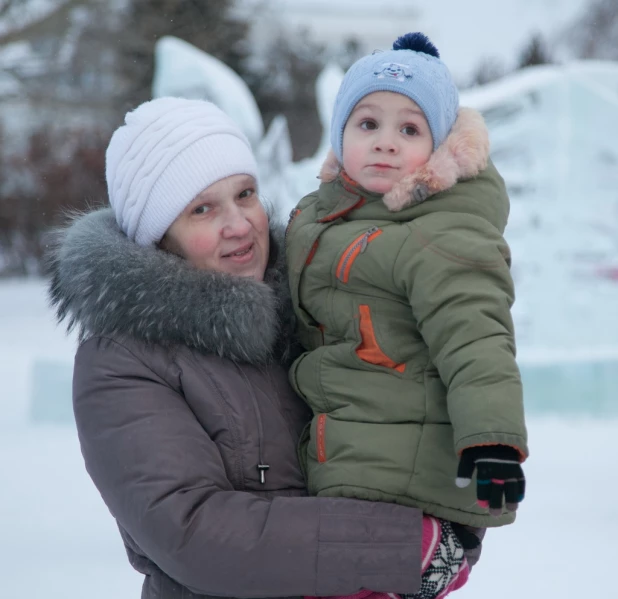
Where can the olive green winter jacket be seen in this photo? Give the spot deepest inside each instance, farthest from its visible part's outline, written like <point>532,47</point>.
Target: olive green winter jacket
<point>403,303</point>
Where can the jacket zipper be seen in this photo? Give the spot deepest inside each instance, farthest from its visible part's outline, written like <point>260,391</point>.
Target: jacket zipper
<point>358,246</point>
<point>262,467</point>
<point>295,212</point>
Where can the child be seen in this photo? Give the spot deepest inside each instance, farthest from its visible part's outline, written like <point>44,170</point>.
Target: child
<point>401,285</point>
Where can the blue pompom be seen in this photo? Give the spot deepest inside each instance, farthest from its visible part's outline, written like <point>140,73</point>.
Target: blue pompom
<point>418,42</point>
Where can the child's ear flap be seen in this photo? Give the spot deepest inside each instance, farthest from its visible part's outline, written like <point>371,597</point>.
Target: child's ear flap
<point>330,169</point>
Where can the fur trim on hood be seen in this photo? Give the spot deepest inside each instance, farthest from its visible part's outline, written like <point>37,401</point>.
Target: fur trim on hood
<point>462,155</point>
<point>105,285</point>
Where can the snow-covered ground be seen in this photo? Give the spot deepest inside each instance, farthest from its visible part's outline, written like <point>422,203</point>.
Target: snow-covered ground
<point>59,541</point>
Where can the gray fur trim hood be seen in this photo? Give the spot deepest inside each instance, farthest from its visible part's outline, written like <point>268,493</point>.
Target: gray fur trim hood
<point>107,286</point>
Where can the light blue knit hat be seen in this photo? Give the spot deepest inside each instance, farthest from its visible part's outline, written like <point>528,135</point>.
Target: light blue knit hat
<point>412,68</point>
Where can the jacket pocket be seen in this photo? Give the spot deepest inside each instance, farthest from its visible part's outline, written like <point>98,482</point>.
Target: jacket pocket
<point>357,247</point>
<point>369,351</point>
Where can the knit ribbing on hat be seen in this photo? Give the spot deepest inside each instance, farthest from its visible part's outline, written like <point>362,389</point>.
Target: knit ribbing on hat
<point>197,167</point>
<point>168,151</point>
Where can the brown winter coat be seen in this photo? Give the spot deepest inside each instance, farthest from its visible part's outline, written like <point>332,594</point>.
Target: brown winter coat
<point>189,431</point>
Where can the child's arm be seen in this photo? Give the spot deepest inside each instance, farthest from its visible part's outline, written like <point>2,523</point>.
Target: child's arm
<point>454,268</point>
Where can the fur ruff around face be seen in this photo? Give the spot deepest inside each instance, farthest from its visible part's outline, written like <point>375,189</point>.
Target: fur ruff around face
<point>462,155</point>
<point>105,285</point>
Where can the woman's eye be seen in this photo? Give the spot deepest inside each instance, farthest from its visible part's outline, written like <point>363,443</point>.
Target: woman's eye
<point>203,209</point>
<point>246,193</point>
<point>410,130</point>
<point>368,125</point>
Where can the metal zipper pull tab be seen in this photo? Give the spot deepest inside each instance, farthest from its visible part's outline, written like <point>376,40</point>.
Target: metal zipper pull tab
<point>262,468</point>
<point>366,236</point>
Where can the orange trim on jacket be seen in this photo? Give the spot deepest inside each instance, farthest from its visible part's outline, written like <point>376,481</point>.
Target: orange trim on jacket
<point>369,350</point>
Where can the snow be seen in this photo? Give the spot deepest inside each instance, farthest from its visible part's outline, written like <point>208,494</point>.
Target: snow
<point>27,12</point>
<point>183,69</point>
<point>9,85</point>
<point>553,132</point>
<point>59,541</point>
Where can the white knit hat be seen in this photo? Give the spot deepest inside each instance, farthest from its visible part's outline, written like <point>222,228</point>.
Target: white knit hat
<point>167,152</point>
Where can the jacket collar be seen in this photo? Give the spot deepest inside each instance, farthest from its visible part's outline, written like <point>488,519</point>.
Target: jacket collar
<point>462,155</point>
<point>103,284</point>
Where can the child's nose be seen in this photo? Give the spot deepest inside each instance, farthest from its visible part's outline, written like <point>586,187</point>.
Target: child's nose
<point>385,143</point>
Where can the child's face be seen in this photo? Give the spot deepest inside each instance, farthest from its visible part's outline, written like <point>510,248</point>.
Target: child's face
<point>225,228</point>
<point>386,138</point>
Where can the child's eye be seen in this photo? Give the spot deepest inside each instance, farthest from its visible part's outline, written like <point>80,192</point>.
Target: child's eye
<point>410,130</point>
<point>246,193</point>
<point>368,125</point>
<point>202,209</point>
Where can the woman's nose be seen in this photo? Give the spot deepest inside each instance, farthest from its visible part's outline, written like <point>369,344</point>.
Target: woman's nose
<point>236,223</point>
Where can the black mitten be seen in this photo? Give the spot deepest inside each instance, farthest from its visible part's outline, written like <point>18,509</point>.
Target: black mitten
<point>499,477</point>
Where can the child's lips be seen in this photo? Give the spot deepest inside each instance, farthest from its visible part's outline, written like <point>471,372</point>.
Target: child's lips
<point>382,166</point>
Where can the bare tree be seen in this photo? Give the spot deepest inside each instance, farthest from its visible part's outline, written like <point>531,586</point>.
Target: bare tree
<point>489,69</point>
<point>23,19</point>
<point>211,26</point>
<point>284,83</point>
<point>82,64</point>
<point>534,53</point>
<point>59,171</point>
<point>52,70</point>
<point>594,34</point>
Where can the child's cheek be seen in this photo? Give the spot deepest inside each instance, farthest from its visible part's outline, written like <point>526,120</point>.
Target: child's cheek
<point>352,161</point>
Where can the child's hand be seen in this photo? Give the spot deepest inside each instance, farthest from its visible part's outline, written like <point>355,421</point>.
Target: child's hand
<point>499,474</point>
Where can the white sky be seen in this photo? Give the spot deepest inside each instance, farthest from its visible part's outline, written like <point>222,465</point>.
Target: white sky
<point>464,32</point>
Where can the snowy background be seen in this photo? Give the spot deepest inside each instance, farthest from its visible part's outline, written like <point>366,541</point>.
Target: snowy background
<point>59,541</point>
<point>554,132</point>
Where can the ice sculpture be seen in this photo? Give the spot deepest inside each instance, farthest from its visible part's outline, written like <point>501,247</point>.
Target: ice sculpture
<point>553,131</point>
<point>183,70</point>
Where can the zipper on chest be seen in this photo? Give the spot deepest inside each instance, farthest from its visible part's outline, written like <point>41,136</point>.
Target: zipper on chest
<point>262,466</point>
<point>357,247</point>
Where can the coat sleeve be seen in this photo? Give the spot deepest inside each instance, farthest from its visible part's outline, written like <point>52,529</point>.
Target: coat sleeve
<point>455,270</point>
<point>163,479</point>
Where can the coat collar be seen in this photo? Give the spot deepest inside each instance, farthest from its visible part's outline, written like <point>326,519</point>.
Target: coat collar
<point>103,284</point>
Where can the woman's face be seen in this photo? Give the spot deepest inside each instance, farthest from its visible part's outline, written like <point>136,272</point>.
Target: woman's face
<point>225,228</point>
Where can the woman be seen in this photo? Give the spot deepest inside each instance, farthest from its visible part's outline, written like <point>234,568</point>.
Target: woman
<point>186,421</point>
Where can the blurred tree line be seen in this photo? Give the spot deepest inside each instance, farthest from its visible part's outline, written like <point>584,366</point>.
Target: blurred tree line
<point>79,65</point>
<point>593,35</point>
<point>82,64</point>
